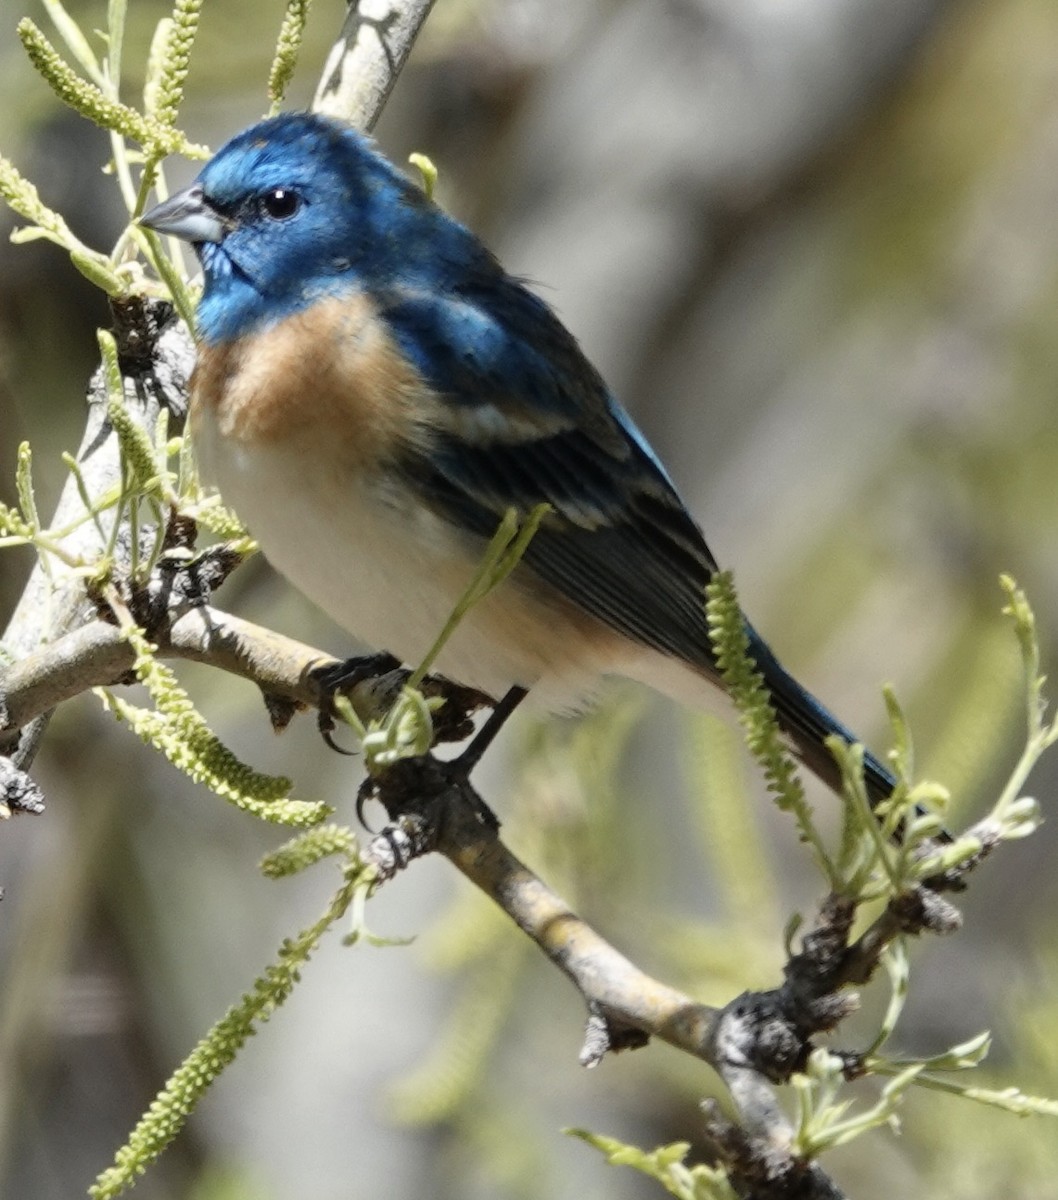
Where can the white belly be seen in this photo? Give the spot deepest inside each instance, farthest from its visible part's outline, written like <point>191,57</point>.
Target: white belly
<point>389,572</point>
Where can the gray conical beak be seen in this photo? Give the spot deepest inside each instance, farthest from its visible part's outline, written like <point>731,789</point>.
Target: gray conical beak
<point>188,215</point>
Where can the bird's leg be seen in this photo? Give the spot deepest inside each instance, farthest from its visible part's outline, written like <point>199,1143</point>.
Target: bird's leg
<point>471,756</point>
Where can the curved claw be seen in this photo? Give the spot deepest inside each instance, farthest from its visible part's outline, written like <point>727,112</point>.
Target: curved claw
<point>326,725</point>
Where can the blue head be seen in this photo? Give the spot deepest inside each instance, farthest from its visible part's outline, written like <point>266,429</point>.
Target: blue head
<point>298,207</point>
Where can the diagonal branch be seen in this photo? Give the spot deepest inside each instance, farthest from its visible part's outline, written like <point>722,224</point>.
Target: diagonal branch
<point>755,1041</point>
<point>370,53</point>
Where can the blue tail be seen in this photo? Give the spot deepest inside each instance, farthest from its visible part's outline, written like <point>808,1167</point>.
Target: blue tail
<point>807,723</point>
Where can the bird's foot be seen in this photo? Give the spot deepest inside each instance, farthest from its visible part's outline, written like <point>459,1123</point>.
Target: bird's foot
<point>343,677</point>
<point>420,792</point>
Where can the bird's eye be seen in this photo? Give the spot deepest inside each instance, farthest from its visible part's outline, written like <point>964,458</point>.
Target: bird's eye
<point>280,203</point>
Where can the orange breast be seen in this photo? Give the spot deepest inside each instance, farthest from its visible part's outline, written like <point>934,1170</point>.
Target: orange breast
<point>329,378</point>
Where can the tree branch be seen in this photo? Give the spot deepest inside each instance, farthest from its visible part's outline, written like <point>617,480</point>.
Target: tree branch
<point>97,655</point>
<point>756,1040</point>
<point>370,53</point>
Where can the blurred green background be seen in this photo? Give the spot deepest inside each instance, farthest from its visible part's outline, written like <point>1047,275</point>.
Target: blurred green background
<point>813,246</point>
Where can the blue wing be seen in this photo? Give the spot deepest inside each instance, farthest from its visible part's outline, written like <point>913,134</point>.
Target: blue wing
<point>528,419</point>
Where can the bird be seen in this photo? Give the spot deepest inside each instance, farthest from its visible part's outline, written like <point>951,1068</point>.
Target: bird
<point>373,391</point>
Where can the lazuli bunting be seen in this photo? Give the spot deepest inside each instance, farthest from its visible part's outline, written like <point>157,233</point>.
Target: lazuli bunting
<point>374,391</point>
